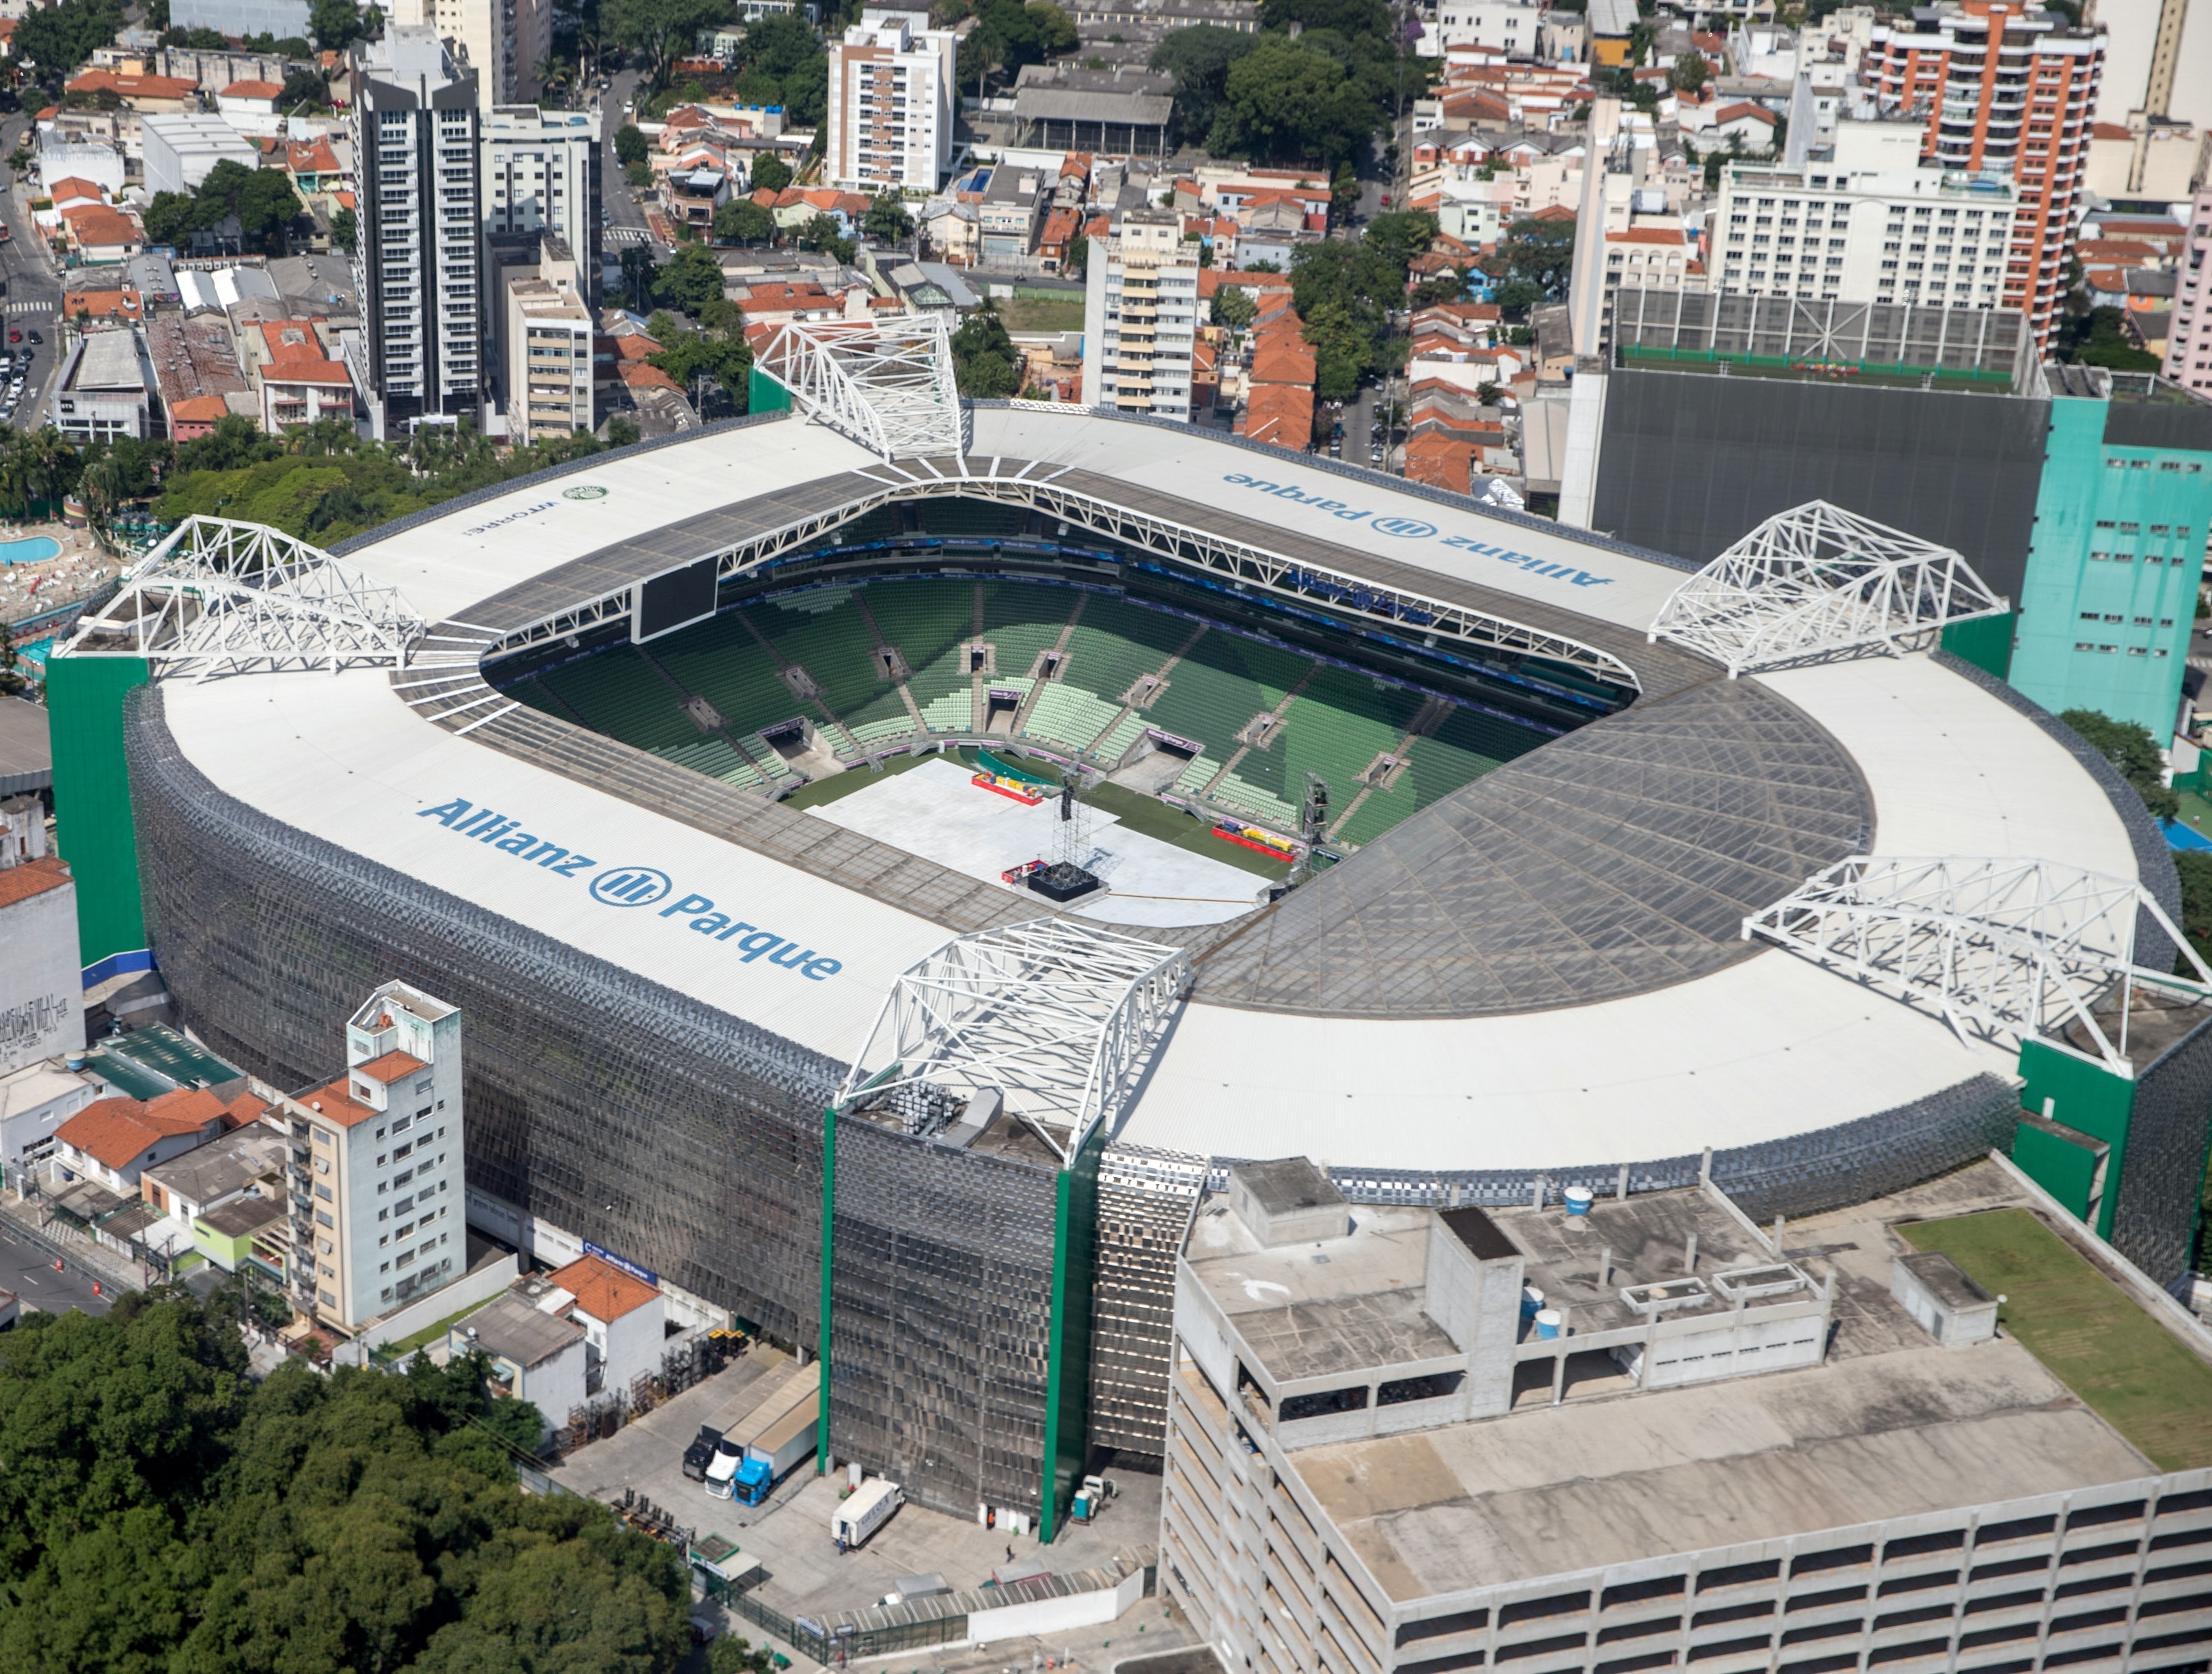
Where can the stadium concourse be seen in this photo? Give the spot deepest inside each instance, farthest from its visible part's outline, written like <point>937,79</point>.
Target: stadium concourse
<point>1519,958</point>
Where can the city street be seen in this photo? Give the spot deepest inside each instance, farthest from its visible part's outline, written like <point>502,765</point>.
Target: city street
<point>34,298</point>
<point>625,216</point>
<point>28,1269</point>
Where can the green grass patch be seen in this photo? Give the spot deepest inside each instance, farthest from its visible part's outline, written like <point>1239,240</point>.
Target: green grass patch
<point>403,1347</point>
<point>2088,1333</point>
<point>1155,818</point>
<point>1033,313</point>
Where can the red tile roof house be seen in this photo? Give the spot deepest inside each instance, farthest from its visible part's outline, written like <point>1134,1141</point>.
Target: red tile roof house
<point>113,1139</point>
<point>623,1317</point>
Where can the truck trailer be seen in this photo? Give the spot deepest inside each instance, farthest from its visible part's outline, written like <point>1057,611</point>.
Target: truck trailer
<point>863,1511</point>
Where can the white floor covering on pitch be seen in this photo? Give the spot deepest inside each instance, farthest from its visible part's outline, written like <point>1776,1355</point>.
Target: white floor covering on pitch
<point>934,811</point>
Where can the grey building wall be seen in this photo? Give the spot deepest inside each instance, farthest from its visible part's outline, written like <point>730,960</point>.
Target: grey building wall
<point>624,1112</point>
<point>941,1301</point>
<point>1145,1199</point>
<point>2168,1131</point>
<point>284,19</point>
<point>1689,462</point>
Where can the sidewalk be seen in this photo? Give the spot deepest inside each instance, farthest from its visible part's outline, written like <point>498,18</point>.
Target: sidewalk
<point>113,1271</point>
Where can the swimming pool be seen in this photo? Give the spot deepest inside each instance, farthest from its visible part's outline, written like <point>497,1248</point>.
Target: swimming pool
<point>28,552</point>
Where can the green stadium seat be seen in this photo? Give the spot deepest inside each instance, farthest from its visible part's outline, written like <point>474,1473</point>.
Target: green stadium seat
<point>1068,714</point>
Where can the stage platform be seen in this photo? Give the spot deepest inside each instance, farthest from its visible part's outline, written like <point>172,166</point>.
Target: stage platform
<point>935,810</point>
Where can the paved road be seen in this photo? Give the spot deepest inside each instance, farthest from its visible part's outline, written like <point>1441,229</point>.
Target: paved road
<point>625,216</point>
<point>34,298</point>
<point>28,1269</point>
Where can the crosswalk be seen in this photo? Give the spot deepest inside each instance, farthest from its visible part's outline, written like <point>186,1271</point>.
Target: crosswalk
<point>45,305</point>
<point>626,235</point>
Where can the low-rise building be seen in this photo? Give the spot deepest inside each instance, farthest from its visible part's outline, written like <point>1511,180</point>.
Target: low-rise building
<point>115,1141</point>
<point>1642,1431</point>
<point>536,1355</point>
<point>249,1159</point>
<point>147,95</point>
<point>623,1317</point>
<point>196,370</point>
<point>104,390</point>
<point>42,999</point>
<point>180,149</point>
<point>299,378</point>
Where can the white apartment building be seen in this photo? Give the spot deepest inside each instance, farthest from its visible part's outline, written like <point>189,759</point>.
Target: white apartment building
<point>376,1166</point>
<point>549,356</point>
<point>1508,26</point>
<point>541,174</point>
<point>1869,224</point>
<point>1140,318</point>
<point>890,103</point>
<point>417,264</point>
<point>504,41</point>
<point>2189,338</point>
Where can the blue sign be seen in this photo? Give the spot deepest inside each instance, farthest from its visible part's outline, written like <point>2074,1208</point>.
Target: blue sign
<point>623,887</point>
<point>1411,528</point>
<point>623,1263</point>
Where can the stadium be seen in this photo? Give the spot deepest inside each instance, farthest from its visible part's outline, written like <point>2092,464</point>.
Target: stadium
<point>1475,857</point>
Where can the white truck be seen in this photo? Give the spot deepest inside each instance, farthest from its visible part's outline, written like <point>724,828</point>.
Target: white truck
<point>863,1511</point>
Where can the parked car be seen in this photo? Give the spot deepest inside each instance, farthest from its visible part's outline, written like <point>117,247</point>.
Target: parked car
<point>35,338</point>
<point>701,1453</point>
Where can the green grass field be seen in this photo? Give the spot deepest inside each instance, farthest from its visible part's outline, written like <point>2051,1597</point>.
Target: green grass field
<point>2125,1365</point>
<point>1037,313</point>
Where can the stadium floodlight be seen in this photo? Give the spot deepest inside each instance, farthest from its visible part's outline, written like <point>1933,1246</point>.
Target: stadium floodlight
<point>2023,949</point>
<point>1058,1019</point>
<point>1818,580</point>
<point>219,597</point>
<point>889,385</point>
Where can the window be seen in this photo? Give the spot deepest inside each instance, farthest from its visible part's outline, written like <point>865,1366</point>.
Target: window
<point>324,1193</point>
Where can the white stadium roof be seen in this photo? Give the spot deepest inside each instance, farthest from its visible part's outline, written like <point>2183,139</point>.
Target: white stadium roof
<point>1764,1046</point>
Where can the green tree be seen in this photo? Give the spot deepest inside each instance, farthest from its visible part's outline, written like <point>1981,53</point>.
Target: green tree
<point>639,174</point>
<point>169,219</point>
<point>1009,35</point>
<point>985,363</point>
<point>638,271</point>
<point>691,279</point>
<point>334,24</point>
<point>887,221</point>
<point>1077,262</point>
<point>1234,308</point>
<point>1199,59</point>
<point>1537,256</point>
<point>1401,235</point>
<point>823,232</point>
<point>2105,343</point>
<point>1287,102</point>
<point>1690,73</point>
<point>1353,19</point>
<point>2130,747</point>
<point>770,173</point>
<point>659,29</point>
<point>631,144</point>
<point>783,49</point>
<point>741,221</point>
<point>345,229</point>
<point>60,39</point>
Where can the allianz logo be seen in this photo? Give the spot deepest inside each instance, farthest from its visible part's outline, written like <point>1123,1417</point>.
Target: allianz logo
<point>631,887</point>
<point>1412,528</point>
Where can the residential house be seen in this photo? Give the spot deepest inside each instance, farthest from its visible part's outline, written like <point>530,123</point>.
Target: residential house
<point>163,95</point>
<point>115,1141</point>
<point>623,1317</point>
<point>249,106</point>
<point>289,361</point>
<point>537,1354</point>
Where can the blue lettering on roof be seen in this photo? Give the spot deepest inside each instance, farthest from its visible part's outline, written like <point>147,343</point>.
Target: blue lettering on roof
<point>627,886</point>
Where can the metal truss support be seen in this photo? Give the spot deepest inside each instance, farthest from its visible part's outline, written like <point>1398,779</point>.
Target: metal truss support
<point>2021,949</point>
<point>1034,487</point>
<point>1816,581</point>
<point>1058,1018</point>
<point>218,597</point>
<point>889,385</point>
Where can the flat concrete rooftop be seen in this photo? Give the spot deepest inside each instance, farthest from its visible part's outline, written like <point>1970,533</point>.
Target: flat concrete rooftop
<point>1893,1425</point>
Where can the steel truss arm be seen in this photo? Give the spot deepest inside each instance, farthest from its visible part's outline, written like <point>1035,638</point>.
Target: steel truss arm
<point>1059,1018</point>
<point>2023,949</point>
<point>219,597</point>
<point>1816,581</point>
<point>1234,561</point>
<point>888,385</point>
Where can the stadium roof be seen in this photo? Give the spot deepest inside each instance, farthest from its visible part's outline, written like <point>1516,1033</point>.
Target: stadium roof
<point>1546,965</point>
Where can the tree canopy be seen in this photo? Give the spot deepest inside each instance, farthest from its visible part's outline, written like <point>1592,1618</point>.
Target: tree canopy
<point>1343,291</point>
<point>985,363</point>
<point>741,221</point>
<point>659,29</point>
<point>260,200</point>
<point>1200,58</point>
<point>1009,35</point>
<point>336,24</point>
<point>160,1512</point>
<point>782,62</point>
<point>887,221</point>
<point>689,280</point>
<point>58,39</point>
<point>1291,102</point>
<point>1537,257</point>
<point>2130,747</point>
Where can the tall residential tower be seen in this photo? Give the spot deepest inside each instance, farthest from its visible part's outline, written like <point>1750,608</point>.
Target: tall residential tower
<point>419,264</point>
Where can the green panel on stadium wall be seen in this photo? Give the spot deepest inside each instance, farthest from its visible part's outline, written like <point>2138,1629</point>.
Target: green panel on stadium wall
<point>1986,643</point>
<point>92,799</point>
<point>2087,1098</point>
<point>822,1455</point>
<point>763,393</point>
<point>1067,1380</point>
<point>2064,1166</point>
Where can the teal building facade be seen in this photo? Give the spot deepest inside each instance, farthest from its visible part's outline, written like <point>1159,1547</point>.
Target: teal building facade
<point>2109,596</point>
